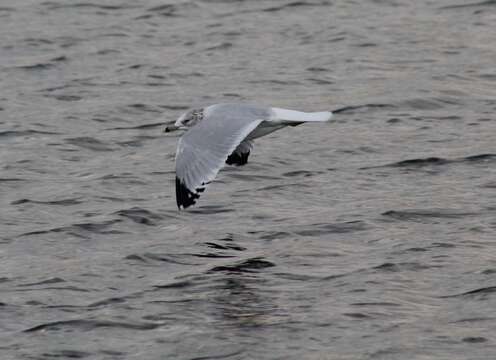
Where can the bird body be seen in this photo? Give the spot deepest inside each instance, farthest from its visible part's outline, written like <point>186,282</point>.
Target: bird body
<point>224,133</point>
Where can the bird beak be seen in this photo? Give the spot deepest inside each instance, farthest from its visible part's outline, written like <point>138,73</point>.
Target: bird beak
<point>170,128</point>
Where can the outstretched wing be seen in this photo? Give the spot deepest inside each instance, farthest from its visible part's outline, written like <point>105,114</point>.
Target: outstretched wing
<point>204,149</point>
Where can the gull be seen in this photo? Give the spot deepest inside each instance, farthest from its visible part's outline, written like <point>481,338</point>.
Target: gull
<point>223,134</point>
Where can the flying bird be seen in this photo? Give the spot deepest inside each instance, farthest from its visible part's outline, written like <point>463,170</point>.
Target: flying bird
<point>223,134</point>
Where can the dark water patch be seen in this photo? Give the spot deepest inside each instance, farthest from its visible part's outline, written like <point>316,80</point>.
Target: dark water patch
<point>112,35</point>
<point>336,39</point>
<point>474,339</point>
<point>272,235</point>
<point>275,82</point>
<point>129,179</point>
<point>164,7</point>
<point>66,97</point>
<point>60,58</point>
<point>54,280</point>
<point>470,5</point>
<point>66,354</point>
<point>235,173</point>
<point>250,265</point>
<point>359,316</point>
<point>139,215</point>
<point>448,117</point>
<point>52,5</point>
<point>232,95</point>
<point>174,107</point>
<point>136,141</point>
<point>144,107</point>
<point>489,272</point>
<point>54,88</point>
<point>419,162</point>
<point>170,10</point>
<point>109,52</point>
<point>118,199</point>
<point>223,46</point>
<point>332,228</point>
<point>175,285</point>
<point>480,158</point>
<point>135,257</point>
<point>209,209</point>
<point>481,292</point>
<point>301,173</point>
<point>109,301</point>
<point>491,77</point>
<point>416,249</point>
<point>296,277</point>
<point>178,259</point>
<point>474,319</point>
<point>157,84</point>
<point>295,4</point>
<point>318,69</point>
<point>113,353</point>
<point>37,67</point>
<point>89,143</point>
<point>387,267</point>
<point>426,214</point>
<point>139,127</point>
<point>14,133</point>
<point>87,325</point>
<point>422,104</point>
<point>80,230</point>
<point>436,161</point>
<point>12,180</point>
<point>34,303</point>
<point>404,266</point>
<point>320,81</point>
<point>143,17</point>
<point>160,77</point>
<point>57,288</point>
<point>63,202</point>
<point>367,44</point>
<point>274,188</point>
<point>386,304</point>
<point>225,246</point>
<point>441,245</point>
<point>218,356</point>
<point>364,107</point>
<point>212,255</point>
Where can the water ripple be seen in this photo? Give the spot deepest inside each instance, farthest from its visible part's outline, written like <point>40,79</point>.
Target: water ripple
<point>87,325</point>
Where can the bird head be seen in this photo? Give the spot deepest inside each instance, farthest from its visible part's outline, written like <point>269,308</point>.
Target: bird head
<point>186,120</point>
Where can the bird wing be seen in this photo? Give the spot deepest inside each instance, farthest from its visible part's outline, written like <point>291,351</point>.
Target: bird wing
<point>203,150</point>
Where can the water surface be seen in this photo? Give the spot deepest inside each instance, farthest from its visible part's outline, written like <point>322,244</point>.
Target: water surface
<point>368,238</point>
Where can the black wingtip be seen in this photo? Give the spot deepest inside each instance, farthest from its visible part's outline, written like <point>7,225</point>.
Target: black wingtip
<point>184,197</point>
<point>237,158</point>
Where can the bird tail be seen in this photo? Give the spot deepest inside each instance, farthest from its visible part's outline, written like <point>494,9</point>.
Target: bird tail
<point>299,116</point>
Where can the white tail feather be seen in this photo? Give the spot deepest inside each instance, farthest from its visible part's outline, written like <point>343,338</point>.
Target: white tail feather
<point>279,114</point>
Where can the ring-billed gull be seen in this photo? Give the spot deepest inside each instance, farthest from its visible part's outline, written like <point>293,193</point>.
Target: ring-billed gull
<point>223,134</point>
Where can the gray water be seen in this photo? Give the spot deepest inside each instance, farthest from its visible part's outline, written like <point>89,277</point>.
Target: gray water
<point>368,238</point>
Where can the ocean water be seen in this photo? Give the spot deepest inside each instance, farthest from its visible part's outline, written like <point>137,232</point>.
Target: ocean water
<point>372,237</point>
